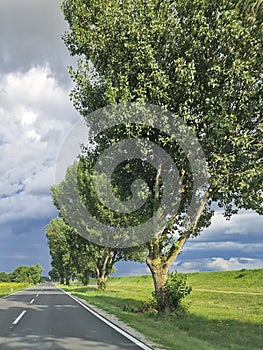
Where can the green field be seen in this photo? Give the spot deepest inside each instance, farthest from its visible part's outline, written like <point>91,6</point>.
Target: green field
<point>226,310</point>
<point>8,288</point>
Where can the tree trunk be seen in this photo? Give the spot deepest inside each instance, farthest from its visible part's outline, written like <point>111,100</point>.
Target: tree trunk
<point>103,269</point>
<point>67,280</point>
<point>101,282</point>
<point>160,272</point>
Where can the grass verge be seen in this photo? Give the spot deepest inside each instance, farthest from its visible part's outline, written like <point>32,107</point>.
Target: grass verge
<point>8,288</point>
<point>216,319</point>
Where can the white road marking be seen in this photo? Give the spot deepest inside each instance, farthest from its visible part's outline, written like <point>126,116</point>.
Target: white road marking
<point>31,302</point>
<point>19,317</point>
<point>116,328</point>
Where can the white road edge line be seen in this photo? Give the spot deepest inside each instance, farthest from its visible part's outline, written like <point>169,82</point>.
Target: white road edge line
<point>116,328</point>
<point>31,302</point>
<point>19,317</point>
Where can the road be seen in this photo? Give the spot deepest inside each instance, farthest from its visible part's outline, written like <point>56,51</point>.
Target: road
<point>44,317</point>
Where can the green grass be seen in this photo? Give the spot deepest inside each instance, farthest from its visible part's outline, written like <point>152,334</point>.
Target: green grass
<point>7,288</point>
<point>242,280</point>
<point>216,319</point>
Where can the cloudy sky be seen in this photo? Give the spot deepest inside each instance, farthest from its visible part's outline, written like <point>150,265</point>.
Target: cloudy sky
<point>35,117</point>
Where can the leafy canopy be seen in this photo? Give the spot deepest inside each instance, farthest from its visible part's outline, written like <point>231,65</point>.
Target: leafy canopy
<point>202,60</point>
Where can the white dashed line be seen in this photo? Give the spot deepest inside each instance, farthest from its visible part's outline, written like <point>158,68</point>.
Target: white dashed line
<point>19,317</point>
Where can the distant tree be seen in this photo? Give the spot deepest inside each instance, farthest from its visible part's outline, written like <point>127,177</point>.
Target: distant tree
<point>84,277</point>
<point>72,254</point>
<point>35,272</point>
<point>57,232</point>
<point>4,277</point>
<point>86,256</point>
<point>53,274</point>
<point>30,274</point>
<point>201,60</point>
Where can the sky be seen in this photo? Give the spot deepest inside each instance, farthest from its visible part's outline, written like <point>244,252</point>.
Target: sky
<point>35,117</point>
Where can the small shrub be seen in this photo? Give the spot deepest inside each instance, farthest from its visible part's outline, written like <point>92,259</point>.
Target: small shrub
<point>242,273</point>
<point>177,290</point>
<point>149,305</point>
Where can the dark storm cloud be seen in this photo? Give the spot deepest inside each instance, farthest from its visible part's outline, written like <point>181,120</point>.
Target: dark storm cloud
<point>35,116</point>
<point>30,35</point>
<point>226,250</point>
<point>23,242</point>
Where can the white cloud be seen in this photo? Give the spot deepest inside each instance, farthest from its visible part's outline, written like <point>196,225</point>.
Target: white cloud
<point>143,270</point>
<point>218,264</point>
<point>31,35</point>
<point>241,224</point>
<point>29,117</point>
<point>25,206</point>
<point>234,263</point>
<point>35,116</point>
<point>33,89</point>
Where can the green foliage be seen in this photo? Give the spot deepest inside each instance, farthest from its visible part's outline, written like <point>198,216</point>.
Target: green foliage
<point>54,274</point>
<point>84,277</point>
<point>176,290</point>
<point>29,274</point>
<point>201,60</point>
<point>58,233</point>
<point>74,255</point>
<point>4,277</point>
<point>189,57</point>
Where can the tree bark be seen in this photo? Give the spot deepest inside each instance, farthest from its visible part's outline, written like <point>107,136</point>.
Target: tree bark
<point>101,282</point>
<point>101,272</point>
<point>159,273</point>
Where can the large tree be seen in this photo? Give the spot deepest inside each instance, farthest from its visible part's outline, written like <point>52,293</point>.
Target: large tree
<point>58,233</point>
<point>84,256</point>
<point>201,60</point>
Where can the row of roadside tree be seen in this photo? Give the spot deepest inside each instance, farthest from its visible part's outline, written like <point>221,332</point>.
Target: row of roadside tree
<point>75,257</point>
<point>200,60</point>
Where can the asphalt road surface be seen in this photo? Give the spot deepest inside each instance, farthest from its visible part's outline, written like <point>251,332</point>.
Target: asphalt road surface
<point>44,317</point>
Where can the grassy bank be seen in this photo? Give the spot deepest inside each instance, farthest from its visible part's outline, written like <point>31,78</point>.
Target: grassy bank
<point>8,288</point>
<point>226,310</point>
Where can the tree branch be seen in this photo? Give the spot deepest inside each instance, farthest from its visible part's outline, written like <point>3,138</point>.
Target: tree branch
<point>176,249</point>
